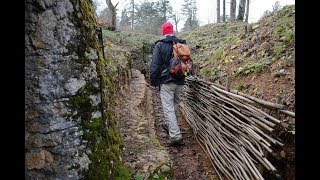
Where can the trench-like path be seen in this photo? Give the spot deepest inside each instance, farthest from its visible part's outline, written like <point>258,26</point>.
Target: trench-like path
<point>146,143</point>
<point>147,149</point>
<point>189,160</point>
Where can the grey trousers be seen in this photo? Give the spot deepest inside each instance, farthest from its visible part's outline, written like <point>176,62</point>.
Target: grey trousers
<point>170,95</point>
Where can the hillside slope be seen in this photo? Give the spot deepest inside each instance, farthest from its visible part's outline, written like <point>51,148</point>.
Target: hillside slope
<point>259,58</point>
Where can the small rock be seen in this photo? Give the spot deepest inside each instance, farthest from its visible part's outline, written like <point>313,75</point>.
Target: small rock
<point>264,32</point>
<point>40,4</point>
<point>265,45</point>
<point>233,47</point>
<point>38,160</point>
<point>96,114</point>
<point>254,39</point>
<point>74,84</point>
<point>31,113</point>
<point>255,26</point>
<point>282,72</point>
<point>283,154</point>
<point>165,168</point>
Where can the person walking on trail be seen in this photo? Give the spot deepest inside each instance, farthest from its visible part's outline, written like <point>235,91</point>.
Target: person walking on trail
<point>170,88</point>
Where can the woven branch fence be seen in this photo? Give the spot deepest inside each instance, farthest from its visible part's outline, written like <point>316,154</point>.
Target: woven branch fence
<point>231,128</point>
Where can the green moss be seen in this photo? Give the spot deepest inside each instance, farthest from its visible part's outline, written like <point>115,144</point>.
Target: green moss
<point>138,177</point>
<point>106,146</point>
<point>86,22</point>
<point>159,175</point>
<point>82,103</point>
<point>103,164</point>
<point>104,139</point>
<point>155,142</point>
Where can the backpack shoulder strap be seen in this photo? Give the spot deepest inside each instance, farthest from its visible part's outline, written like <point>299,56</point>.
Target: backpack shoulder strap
<point>175,49</point>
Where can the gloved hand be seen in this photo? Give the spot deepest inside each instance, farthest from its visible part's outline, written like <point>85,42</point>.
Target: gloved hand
<point>156,87</point>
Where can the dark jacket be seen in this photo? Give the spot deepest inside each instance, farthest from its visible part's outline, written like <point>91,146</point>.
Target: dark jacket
<point>159,67</point>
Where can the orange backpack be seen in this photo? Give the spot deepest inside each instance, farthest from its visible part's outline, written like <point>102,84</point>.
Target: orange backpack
<point>181,64</point>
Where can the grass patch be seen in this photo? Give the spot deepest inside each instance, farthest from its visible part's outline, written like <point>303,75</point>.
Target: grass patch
<point>251,67</point>
<point>240,87</point>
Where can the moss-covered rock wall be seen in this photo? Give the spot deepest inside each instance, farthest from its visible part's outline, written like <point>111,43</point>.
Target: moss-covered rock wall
<point>69,133</point>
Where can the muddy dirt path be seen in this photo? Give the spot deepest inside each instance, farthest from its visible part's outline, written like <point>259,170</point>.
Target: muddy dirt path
<point>146,144</point>
<point>189,160</point>
<point>142,151</point>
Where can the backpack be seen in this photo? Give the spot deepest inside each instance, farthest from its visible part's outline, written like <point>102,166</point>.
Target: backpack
<point>181,64</point>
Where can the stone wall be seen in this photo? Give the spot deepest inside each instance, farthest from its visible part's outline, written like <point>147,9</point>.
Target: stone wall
<point>55,72</point>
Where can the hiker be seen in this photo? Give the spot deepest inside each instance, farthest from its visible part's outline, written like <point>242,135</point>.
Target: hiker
<point>170,88</point>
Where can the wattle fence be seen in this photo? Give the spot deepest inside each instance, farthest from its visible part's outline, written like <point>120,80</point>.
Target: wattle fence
<point>232,128</point>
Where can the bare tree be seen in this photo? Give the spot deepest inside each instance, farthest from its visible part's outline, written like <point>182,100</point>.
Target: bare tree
<point>233,7</point>
<point>176,19</point>
<point>210,16</point>
<point>113,13</point>
<point>224,11</point>
<point>241,11</point>
<point>218,11</point>
<point>276,6</point>
<point>132,15</point>
<point>247,12</point>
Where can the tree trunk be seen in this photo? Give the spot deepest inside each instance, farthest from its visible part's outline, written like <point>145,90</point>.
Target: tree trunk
<point>233,7</point>
<point>242,5</point>
<point>218,11</point>
<point>113,14</point>
<point>132,15</point>
<point>224,11</point>
<point>247,13</point>
<point>176,20</point>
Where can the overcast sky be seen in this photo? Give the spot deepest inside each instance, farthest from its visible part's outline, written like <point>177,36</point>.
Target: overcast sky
<point>207,8</point>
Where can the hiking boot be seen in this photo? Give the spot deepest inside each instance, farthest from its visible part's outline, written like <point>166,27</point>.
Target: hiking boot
<point>175,141</point>
<point>166,128</point>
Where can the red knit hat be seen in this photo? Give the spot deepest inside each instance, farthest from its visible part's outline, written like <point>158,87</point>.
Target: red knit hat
<point>167,28</point>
